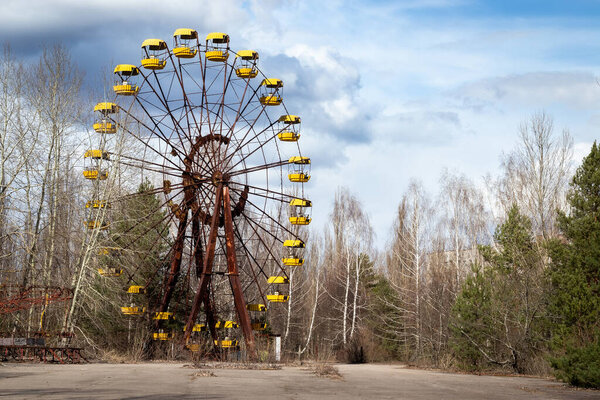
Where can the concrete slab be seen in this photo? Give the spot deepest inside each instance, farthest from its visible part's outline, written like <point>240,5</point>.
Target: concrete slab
<point>174,381</point>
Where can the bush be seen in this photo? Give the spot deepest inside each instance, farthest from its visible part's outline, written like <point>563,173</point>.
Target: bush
<point>580,366</point>
<point>355,353</point>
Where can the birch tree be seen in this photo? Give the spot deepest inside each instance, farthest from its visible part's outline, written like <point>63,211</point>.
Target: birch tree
<point>535,174</point>
<point>406,266</point>
<point>352,236</point>
<point>464,220</point>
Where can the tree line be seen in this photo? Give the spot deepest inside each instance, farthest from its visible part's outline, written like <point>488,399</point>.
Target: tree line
<point>501,275</point>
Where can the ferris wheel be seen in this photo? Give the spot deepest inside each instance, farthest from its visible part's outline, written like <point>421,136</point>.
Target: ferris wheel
<point>214,132</point>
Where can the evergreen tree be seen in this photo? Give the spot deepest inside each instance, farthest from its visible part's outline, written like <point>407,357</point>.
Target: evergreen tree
<point>499,314</point>
<point>385,316</point>
<point>575,274</point>
<point>143,234</point>
<point>472,322</point>
<point>137,243</point>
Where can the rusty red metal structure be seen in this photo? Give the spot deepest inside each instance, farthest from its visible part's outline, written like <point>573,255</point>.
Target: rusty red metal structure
<point>62,355</point>
<point>15,298</point>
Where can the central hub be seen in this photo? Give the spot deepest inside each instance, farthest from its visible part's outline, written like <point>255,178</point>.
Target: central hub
<point>219,178</point>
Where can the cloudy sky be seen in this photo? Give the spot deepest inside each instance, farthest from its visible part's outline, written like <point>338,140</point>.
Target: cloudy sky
<point>387,90</point>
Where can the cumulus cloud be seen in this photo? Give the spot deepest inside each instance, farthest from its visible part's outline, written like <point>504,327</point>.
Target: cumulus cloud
<point>325,86</point>
<point>577,90</point>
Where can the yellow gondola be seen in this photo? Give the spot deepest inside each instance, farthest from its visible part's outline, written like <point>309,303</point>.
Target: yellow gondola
<point>269,89</point>
<point>300,214</point>
<point>247,68</point>
<point>162,315</point>
<point>136,289</point>
<point>106,108</point>
<point>226,325</point>
<point>133,310</point>
<point>217,47</point>
<point>93,173</point>
<point>299,169</point>
<point>154,54</point>
<point>162,336</point>
<point>294,244</point>
<point>97,204</point>
<point>183,41</point>
<point>287,136</point>
<point>124,72</point>
<point>300,203</point>
<point>290,133</point>
<point>256,307</point>
<point>197,328</point>
<point>97,154</point>
<point>277,296</point>
<point>103,124</point>
<point>259,326</point>
<point>193,347</point>
<point>96,225</point>
<point>110,272</point>
<point>292,261</point>
<point>257,316</point>
<point>278,280</point>
<point>298,177</point>
<point>105,251</point>
<point>226,344</point>
<point>303,220</point>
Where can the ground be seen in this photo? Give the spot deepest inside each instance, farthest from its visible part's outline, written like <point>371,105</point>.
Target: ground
<point>178,381</point>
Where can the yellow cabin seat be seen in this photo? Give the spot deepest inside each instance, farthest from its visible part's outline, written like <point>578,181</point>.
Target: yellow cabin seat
<point>105,127</point>
<point>226,344</point>
<point>300,220</point>
<point>95,174</point>
<point>110,272</point>
<point>292,261</point>
<point>259,326</point>
<point>134,310</point>
<point>287,136</point>
<point>278,298</point>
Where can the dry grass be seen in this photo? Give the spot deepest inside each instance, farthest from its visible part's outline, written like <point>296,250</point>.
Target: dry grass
<point>326,371</point>
<point>231,365</point>
<point>203,374</point>
<point>114,357</point>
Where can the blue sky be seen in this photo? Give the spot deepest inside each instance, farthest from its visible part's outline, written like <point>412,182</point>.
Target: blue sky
<point>387,90</point>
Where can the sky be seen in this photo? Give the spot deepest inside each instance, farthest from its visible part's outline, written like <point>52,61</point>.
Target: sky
<point>388,91</point>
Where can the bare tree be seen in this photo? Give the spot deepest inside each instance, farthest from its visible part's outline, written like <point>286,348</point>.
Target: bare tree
<point>535,174</point>
<point>405,265</point>
<point>352,236</point>
<point>464,221</point>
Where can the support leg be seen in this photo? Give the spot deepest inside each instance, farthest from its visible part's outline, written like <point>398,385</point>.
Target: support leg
<point>207,267</point>
<point>234,278</point>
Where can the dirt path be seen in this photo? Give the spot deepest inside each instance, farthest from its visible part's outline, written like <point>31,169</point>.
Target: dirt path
<point>173,381</point>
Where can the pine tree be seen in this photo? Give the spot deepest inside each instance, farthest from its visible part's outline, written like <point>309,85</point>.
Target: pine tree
<point>499,314</point>
<point>575,273</point>
<point>137,243</point>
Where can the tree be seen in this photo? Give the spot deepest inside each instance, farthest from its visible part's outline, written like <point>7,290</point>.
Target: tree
<point>352,237</point>
<point>500,312</point>
<point>464,219</point>
<point>536,173</point>
<point>405,267</point>
<point>138,242</point>
<point>575,274</point>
